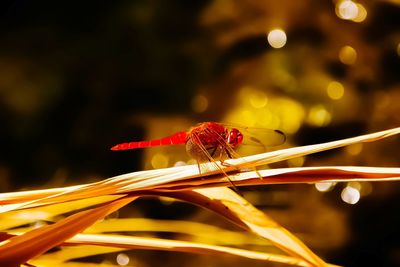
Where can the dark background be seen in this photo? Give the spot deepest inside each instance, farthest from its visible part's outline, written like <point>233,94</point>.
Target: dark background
<point>79,77</point>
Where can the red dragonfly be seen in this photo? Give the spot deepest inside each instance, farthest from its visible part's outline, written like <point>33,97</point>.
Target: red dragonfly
<point>209,140</point>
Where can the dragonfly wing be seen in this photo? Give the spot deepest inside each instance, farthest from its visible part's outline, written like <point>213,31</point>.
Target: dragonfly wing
<point>264,137</point>
<point>258,136</point>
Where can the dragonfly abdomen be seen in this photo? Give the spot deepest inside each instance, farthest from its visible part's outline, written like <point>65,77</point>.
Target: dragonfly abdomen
<point>175,139</point>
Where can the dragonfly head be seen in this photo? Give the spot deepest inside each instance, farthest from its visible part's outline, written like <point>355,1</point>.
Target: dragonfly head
<point>235,137</point>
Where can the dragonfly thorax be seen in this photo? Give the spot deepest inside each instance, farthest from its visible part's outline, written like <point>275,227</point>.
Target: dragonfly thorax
<point>209,134</point>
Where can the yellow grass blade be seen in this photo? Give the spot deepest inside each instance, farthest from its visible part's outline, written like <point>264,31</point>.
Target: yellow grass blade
<point>292,175</point>
<point>229,204</point>
<point>95,244</point>
<point>198,232</point>
<point>52,263</point>
<point>272,176</point>
<point>20,249</point>
<point>20,217</point>
<point>132,242</point>
<point>155,179</point>
<point>67,253</point>
<point>18,197</point>
<point>234,165</point>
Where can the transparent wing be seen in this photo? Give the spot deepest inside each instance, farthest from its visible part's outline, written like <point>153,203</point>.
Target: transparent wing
<point>258,136</point>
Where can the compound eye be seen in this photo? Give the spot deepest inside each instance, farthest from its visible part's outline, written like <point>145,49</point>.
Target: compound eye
<point>235,137</point>
<point>239,138</point>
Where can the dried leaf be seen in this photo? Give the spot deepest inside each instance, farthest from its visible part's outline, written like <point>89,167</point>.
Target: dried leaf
<point>198,232</point>
<point>131,242</point>
<point>291,176</point>
<point>229,204</point>
<point>20,249</point>
<point>155,179</point>
<point>17,218</point>
<point>67,253</point>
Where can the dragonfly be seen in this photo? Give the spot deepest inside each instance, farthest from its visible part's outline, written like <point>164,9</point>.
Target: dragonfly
<point>210,141</point>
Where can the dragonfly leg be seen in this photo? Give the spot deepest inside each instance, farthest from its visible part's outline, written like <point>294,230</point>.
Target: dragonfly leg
<point>213,152</point>
<point>198,166</point>
<point>223,163</point>
<point>228,153</point>
<point>221,151</point>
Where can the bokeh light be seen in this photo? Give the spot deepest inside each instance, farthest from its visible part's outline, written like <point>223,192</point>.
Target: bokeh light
<point>354,150</point>
<point>346,9</point>
<point>324,186</point>
<point>199,103</point>
<point>256,108</point>
<point>179,163</point>
<point>277,38</point>
<point>319,116</point>
<point>361,14</point>
<point>122,259</point>
<point>366,189</point>
<point>355,185</point>
<point>335,90</point>
<point>347,55</point>
<point>159,160</point>
<point>350,195</point>
<point>258,99</point>
<point>296,162</point>
<point>349,10</point>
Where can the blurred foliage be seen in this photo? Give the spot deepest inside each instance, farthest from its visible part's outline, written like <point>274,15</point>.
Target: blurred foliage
<point>78,78</point>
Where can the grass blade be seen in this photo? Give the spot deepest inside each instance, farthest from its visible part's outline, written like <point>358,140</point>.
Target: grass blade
<point>20,249</point>
<point>154,179</point>
<point>227,203</point>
